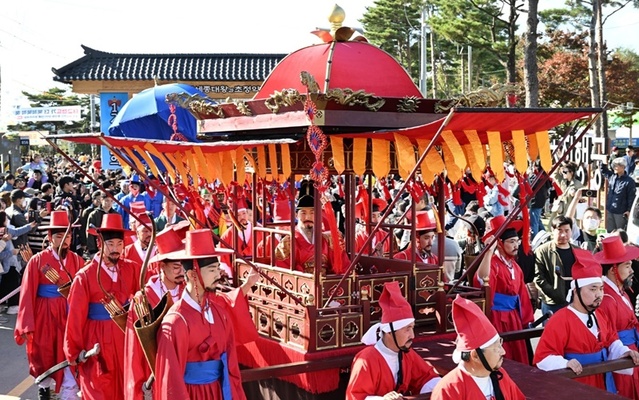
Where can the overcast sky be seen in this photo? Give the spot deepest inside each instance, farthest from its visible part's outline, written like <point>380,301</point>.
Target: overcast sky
<point>36,35</point>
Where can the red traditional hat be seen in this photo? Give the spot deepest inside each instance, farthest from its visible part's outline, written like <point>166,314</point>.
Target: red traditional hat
<point>97,164</point>
<point>395,309</point>
<point>241,204</point>
<point>586,270</point>
<point>59,220</point>
<point>497,222</point>
<point>111,222</point>
<point>474,330</point>
<point>168,241</point>
<point>181,228</point>
<point>199,244</point>
<point>423,222</point>
<point>281,211</point>
<point>137,207</point>
<point>379,204</point>
<point>615,252</point>
<point>394,306</point>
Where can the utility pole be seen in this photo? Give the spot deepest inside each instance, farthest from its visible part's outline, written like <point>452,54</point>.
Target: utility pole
<point>423,57</point>
<point>470,68</point>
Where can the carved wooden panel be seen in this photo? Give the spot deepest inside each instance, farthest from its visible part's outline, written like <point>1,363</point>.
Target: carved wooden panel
<point>374,284</point>
<point>327,331</point>
<point>341,293</point>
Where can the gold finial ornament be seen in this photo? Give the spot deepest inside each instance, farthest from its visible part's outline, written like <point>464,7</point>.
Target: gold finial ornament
<point>336,18</point>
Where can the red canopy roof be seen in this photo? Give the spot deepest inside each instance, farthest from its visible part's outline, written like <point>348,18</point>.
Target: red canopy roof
<point>353,65</point>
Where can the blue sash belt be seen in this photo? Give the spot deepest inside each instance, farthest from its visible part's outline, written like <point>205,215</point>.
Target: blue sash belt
<point>629,336</point>
<point>592,358</point>
<point>48,291</point>
<point>97,312</point>
<point>505,302</point>
<point>205,372</point>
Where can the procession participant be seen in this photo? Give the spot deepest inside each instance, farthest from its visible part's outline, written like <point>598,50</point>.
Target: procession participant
<point>579,335</point>
<point>425,229</point>
<point>305,243</point>
<point>137,250</point>
<point>196,356</point>
<point>479,354</point>
<point>390,368</point>
<point>42,313</point>
<point>135,195</point>
<point>511,309</point>
<point>168,216</point>
<point>170,281</point>
<point>89,322</point>
<point>281,216</point>
<point>380,244</point>
<point>616,260</point>
<point>95,219</point>
<point>243,233</point>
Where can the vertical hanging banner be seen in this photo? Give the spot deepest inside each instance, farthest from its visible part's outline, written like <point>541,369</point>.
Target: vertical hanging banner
<point>110,104</point>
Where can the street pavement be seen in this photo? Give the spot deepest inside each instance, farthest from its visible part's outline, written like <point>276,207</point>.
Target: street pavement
<point>15,382</point>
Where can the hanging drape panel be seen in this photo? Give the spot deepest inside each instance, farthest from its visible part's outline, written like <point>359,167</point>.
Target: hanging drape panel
<point>272,156</point>
<point>381,157</point>
<point>405,153</point>
<point>359,155</point>
<point>496,154</point>
<point>261,162</point>
<point>433,164</point>
<point>521,156</point>
<point>337,148</point>
<point>543,143</point>
<point>286,161</point>
<point>533,148</point>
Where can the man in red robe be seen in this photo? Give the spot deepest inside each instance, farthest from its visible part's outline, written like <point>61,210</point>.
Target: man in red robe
<point>42,313</point>
<point>390,368</point>
<point>89,321</point>
<point>136,251</point>
<point>304,256</point>
<point>616,260</point>
<point>479,354</point>
<point>511,309</point>
<point>578,335</point>
<point>243,234</point>
<point>196,356</point>
<point>380,244</point>
<point>425,230</point>
<point>169,282</point>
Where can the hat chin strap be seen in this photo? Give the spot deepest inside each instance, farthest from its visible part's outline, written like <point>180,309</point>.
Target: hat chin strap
<point>400,356</point>
<point>495,374</point>
<point>591,314</point>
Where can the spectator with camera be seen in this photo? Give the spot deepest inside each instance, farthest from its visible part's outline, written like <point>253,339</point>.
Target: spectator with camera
<point>584,233</point>
<point>621,194</point>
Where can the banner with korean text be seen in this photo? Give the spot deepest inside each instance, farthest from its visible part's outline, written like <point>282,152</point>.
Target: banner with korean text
<point>110,104</point>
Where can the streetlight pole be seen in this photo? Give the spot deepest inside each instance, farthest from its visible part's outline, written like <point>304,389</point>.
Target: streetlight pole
<point>423,64</point>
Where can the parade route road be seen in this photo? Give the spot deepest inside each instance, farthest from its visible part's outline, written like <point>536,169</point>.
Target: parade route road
<point>15,382</point>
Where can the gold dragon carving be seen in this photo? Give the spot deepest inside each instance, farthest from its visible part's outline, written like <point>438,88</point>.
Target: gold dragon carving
<point>285,98</point>
<point>493,96</point>
<point>351,98</point>
<point>196,103</point>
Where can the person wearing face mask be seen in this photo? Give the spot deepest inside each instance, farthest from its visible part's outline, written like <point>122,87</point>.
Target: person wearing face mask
<point>585,235</point>
<point>479,355</point>
<point>616,260</point>
<point>511,307</point>
<point>388,368</point>
<point>578,335</point>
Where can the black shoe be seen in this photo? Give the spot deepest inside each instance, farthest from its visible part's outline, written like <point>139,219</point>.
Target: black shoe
<point>44,394</point>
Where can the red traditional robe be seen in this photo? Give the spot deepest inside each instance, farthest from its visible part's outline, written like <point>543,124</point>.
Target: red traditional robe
<point>566,333</point>
<point>134,253</point>
<point>510,281</point>
<point>459,384</point>
<point>101,377</point>
<point>361,236</point>
<point>187,336</point>
<point>136,367</point>
<point>371,375</point>
<point>406,255</point>
<point>244,243</point>
<point>618,309</point>
<point>264,247</point>
<point>45,317</point>
<point>305,254</point>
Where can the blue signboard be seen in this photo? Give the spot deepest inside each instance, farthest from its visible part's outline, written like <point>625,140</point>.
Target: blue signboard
<point>623,142</point>
<point>110,105</point>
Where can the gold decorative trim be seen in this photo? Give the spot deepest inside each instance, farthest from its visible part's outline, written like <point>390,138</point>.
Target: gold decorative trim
<point>196,103</point>
<point>241,106</point>
<point>309,81</point>
<point>483,97</point>
<point>408,104</point>
<point>349,97</point>
<point>285,98</point>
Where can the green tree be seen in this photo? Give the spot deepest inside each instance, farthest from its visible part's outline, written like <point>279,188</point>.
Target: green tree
<point>394,26</point>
